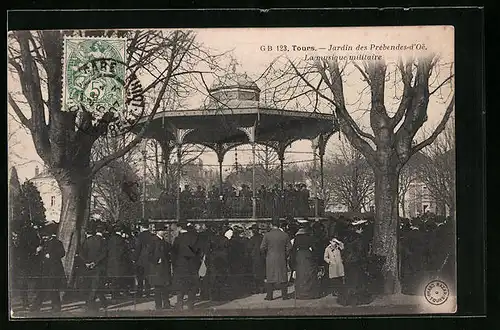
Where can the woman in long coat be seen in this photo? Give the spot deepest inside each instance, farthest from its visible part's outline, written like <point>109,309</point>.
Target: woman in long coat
<point>257,259</point>
<point>159,272</point>
<point>305,265</point>
<point>355,290</point>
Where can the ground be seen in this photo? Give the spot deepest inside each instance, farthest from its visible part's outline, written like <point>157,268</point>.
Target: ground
<point>253,305</point>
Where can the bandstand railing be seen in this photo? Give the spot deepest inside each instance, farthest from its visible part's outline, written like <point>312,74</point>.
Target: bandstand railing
<point>233,208</point>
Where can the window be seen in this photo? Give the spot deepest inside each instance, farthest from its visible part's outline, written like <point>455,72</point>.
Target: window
<point>52,200</point>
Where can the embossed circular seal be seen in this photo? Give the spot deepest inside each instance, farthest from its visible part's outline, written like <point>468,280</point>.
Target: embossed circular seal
<point>106,98</point>
<point>436,292</point>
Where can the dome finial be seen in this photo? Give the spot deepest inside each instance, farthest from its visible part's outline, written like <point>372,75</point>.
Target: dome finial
<point>233,65</point>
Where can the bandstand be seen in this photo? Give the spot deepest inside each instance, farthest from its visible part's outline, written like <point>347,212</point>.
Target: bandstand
<point>234,115</point>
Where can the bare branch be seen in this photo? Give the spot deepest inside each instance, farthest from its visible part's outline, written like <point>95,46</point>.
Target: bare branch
<point>441,84</point>
<point>103,162</point>
<point>25,121</point>
<point>439,128</point>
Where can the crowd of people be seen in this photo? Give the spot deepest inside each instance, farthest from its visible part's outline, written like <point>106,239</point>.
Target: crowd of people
<point>220,262</point>
<point>234,202</point>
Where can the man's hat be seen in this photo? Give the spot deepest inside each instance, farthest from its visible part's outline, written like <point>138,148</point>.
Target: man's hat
<point>275,221</point>
<point>238,228</point>
<point>117,227</point>
<point>50,229</point>
<point>254,226</point>
<point>161,226</point>
<point>144,222</point>
<point>303,231</point>
<point>182,223</point>
<point>100,226</point>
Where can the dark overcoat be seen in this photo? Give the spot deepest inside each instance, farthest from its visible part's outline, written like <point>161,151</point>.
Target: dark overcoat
<point>52,270</point>
<point>160,270</point>
<point>141,250</point>
<point>186,257</point>
<point>218,256</point>
<point>276,246</point>
<point>258,259</point>
<point>118,256</point>
<point>29,264</point>
<point>94,249</point>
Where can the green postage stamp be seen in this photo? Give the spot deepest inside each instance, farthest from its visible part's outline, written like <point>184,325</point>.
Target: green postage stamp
<point>94,75</point>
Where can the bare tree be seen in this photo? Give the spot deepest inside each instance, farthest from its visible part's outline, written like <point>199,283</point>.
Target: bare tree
<point>163,57</point>
<point>116,187</point>
<point>408,175</point>
<point>439,172</point>
<point>163,169</point>
<point>394,120</point>
<point>349,178</point>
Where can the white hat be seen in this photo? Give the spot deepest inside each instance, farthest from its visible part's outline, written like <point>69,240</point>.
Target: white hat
<point>302,220</point>
<point>337,241</point>
<point>229,234</point>
<point>359,222</point>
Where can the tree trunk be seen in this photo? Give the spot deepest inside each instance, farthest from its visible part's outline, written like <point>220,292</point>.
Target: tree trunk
<point>403,204</point>
<point>385,240</point>
<point>73,215</point>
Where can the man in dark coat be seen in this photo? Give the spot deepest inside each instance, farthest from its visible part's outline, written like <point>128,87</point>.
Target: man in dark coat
<point>186,257</point>
<point>276,246</point>
<point>94,254</point>
<point>117,262</point>
<point>258,259</point>
<point>186,201</point>
<point>159,274</point>
<point>141,261</point>
<point>52,278</point>
<point>218,263</point>
<point>237,262</point>
<point>26,263</point>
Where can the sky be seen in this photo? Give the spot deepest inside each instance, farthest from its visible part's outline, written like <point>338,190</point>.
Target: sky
<point>245,45</point>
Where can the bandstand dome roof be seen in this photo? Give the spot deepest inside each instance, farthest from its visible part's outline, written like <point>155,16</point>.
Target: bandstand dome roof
<point>234,80</point>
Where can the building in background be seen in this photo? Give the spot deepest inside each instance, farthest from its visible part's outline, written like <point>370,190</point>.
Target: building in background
<point>50,193</point>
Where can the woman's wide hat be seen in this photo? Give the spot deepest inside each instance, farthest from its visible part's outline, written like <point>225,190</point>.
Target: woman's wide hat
<point>303,231</point>
<point>359,222</point>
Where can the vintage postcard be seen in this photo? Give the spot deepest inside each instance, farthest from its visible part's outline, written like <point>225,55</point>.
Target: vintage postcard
<point>231,172</point>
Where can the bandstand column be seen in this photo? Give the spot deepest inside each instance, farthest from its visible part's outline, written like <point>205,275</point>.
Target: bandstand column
<point>254,196</point>
<point>322,146</point>
<point>250,132</point>
<point>178,192</point>
<point>179,137</point>
<point>220,158</point>
<point>282,178</point>
<point>315,144</point>
<point>144,172</point>
<point>166,148</point>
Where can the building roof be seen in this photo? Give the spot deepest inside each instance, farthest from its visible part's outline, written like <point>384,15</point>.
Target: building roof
<point>44,174</point>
